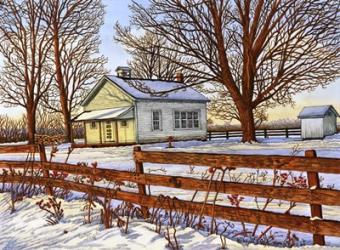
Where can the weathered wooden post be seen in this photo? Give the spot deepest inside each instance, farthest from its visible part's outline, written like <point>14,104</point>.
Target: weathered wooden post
<point>265,133</point>
<point>170,141</point>
<point>43,158</point>
<point>140,170</point>
<point>227,135</point>
<point>209,135</point>
<point>287,133</point>
<point>316,210</point>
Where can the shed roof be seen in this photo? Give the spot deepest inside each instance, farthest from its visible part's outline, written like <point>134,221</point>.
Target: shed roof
<point>106,114</point>
<point>317,111</point>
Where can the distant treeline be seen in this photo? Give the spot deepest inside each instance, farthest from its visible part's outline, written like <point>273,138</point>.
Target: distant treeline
<point>15,129</point>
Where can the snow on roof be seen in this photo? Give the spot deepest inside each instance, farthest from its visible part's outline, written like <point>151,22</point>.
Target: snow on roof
<point>105,114</point>
<point>150,89</point>
<point>316,111</point>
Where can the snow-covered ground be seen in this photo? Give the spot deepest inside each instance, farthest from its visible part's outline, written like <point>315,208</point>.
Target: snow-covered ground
<point>26,228</point>
<point>107,157</point>
<point>121,158</point>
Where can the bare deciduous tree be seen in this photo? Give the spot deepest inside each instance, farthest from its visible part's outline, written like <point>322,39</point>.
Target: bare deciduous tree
<point>80,71</point>
<point>149,59</point>
<point>262,51</point>
<point>74,27</point>
<point>24,44</point>
<point>222,106</point>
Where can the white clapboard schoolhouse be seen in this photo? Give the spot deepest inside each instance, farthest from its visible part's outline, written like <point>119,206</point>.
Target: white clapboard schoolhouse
<point>124,110</point>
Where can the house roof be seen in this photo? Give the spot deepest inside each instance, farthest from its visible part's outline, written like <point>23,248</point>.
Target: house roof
<point>317,111</point>
<point>150,89</point>
<point>147,89</point>
<point>106,114</point>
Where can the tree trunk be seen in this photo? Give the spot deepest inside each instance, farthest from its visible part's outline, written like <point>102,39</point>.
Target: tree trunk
<point>60,82</point>
<point>63,96</point>
<point>30,125</point>
<point>247,124</point>
<point>68,127</point>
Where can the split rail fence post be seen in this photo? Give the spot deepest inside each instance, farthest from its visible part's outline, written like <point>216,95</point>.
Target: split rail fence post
<point>141,187</point>
<point>43,158</point>
<point>287,133</point>
<point>316,210</point>
<point>227,135</point>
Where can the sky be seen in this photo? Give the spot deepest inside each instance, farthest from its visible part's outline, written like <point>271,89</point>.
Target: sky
<point>117,10</point>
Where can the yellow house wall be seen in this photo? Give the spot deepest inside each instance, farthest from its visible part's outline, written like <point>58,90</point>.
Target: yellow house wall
<point>109,96</point>
<point>127,134</point>
<point>92,134</point>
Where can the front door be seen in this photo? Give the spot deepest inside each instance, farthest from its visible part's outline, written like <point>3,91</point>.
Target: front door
<point>110,131</point>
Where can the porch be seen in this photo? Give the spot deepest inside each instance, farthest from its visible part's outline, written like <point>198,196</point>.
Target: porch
<point>110,126</point>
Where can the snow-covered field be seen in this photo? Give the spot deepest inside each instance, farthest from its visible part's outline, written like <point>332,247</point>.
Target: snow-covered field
<point>141,236</point>
<point>26,228</point>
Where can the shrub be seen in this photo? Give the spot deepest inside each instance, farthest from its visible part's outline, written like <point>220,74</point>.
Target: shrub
<point>53,207</point>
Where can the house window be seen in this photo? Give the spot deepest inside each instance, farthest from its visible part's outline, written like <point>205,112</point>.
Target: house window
<point>123,123</point>
<point>186,119</point>
<point>93,125</point>
<point>156,120</point>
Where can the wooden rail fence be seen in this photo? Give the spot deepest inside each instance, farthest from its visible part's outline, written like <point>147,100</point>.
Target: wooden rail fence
<point>314,195</point>
<point>29,149</point>
<point>265,133</point>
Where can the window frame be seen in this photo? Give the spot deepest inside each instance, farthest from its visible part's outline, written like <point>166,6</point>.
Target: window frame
<point>125,124</point>
<point>93,125</point>
<point>159,120</point>
<point>187,120</point>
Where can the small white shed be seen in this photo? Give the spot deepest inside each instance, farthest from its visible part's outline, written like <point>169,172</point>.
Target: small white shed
<point>318,121</point>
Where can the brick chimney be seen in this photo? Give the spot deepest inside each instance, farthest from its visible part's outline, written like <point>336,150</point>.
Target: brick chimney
<point>123,72</point>
<point>179,77</point>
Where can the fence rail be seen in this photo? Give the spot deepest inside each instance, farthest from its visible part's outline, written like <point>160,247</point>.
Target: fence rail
<point>320,196</point>
<point>312,195</point>
<point>28,148</point>
<point>266,133</point>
